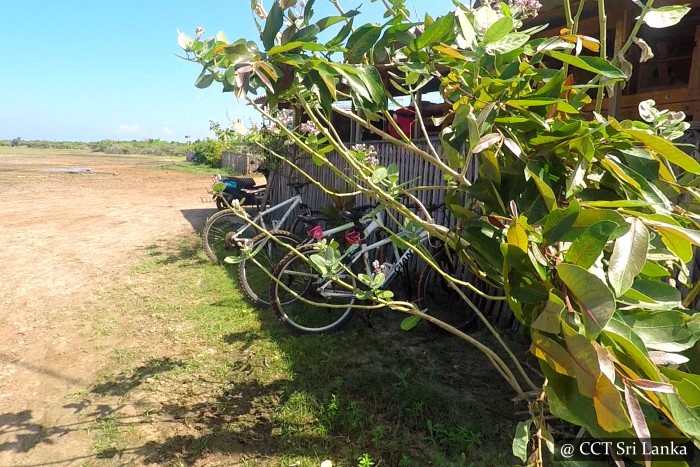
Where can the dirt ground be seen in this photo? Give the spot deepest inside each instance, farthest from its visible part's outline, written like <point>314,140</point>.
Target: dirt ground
<point>70,226</point>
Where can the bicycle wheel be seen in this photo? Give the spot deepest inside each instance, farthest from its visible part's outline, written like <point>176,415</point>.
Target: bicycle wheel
<point>437,298</point>
<point>218,235</point>
<point>254,273</point>
<point>306,302</point>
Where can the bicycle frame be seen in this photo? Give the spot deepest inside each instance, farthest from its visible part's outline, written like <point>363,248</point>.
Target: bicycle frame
<point>259,219</point>
<point>362,252</point>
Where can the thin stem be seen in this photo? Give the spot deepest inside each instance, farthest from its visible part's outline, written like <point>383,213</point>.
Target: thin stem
<point>495,333</point>
<point>603,21</point>
<point>424,130</point>
<point>640,20</point>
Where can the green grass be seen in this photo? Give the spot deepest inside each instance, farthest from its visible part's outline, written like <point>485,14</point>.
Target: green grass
<point>190,167</point>
<point>253,394</point>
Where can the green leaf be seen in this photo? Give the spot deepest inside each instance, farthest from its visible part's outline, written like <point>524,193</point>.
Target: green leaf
<point>628,257</point>
<point>362,40</point>
<point>651,295</point>
<point>609,408</point>
<point>556,356</point>
<point>410,322</point>
<point>331,20</point>
<point>665,149</point>
<point>593,64</point>
<point>521,439</point>
<point>379,174</point>
<point>204,80</point>
<point>665,16</point>
<point>588,247</point>
<point>559,222</point>
<point>508,44</point>
<point>435,33</point>
<point>677,239</point>
<point>594,297</point>
<point>667,331</point>
<point>687,385</point>
<point>273,24</point>
<point>498,30</point>
<point>651,269</point>
<point>517,236</point>
<point>548,320</point>
<point>550,200</point>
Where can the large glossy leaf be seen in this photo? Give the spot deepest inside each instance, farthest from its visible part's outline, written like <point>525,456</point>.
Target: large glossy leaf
<point>587,248</point>
<point>273,24</point>
<point>362,40</point>
<point>668,331</point>
<point>628,257</point>
<point>435,33</point>
<point>331,20</point>
<point>556,356</point>
<point>548,319</point>
<point>507,44</point>
<point>583,354</point>
<point>498,30</point>
<point>593,64</point>
<point>665,16</point>
<point>687,385</point>
<point>521,439</point>
<point>609,408</point>
<point>594,297</point>
<point>559,221</point>
<point>666,150</point>
<point>652,295</point>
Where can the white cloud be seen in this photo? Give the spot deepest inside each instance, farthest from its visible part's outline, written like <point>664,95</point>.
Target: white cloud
<point>167,131</point>
<point>129,128</point>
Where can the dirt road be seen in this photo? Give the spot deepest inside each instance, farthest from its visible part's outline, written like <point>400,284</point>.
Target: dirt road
<point>70,225</point>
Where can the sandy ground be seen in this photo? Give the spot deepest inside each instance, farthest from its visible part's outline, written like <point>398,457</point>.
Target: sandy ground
<point>66,234</point>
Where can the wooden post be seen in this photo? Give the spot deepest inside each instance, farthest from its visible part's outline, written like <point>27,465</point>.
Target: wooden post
<point>694,81</point>
<point>622,28</point>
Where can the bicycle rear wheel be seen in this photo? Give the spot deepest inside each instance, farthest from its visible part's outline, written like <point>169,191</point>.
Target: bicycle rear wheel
<point>438,298</point>
<point>254,273</point>
<point>219,235</point>
<point>306,302</point>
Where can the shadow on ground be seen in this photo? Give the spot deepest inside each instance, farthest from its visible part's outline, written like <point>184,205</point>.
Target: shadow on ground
<point>198,217</point>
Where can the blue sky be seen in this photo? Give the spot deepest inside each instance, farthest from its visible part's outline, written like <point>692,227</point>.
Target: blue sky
<point>86,70</point>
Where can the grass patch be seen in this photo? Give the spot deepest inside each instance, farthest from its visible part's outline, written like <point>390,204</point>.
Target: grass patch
<point>241,390</point>
<point>201,169</point>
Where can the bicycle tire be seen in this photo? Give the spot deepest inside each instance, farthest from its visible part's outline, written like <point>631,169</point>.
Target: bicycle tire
<point>254,278</point>
<point>215,231</point>
<point>437,298</point>
<point>295,273</point>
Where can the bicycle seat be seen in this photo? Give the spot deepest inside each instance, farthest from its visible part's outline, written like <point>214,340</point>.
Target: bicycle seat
<point>357,213</point>
<point>239,182</point>
<point>312,219</point>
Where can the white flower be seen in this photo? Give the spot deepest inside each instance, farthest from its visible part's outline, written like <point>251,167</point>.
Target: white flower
<point>198,32</point>
<point>309,128</point>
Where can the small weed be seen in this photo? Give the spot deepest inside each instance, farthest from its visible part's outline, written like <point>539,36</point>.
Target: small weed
<point>107,436</point>
<point>365,461</point>
<point>378,434</point>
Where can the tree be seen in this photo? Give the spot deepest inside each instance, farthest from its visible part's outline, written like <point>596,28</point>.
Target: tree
<point>579,218</point>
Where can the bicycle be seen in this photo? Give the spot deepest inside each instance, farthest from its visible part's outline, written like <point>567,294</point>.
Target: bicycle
<point>268,248</point>
<point>225,232</point>
<point>306,302</point>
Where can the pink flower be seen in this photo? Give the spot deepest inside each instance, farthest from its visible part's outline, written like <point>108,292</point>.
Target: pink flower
<point>353,237</point>
<point>309,128</point>
<point>316,232</point>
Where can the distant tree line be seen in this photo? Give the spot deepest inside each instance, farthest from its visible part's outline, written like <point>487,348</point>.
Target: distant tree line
<point>147,146</point>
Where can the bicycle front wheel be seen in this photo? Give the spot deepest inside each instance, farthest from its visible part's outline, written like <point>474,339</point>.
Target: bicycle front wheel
<point>221,233</point>
<point>306,302</point>
<point>254,273</point>
<point>438,298</point>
